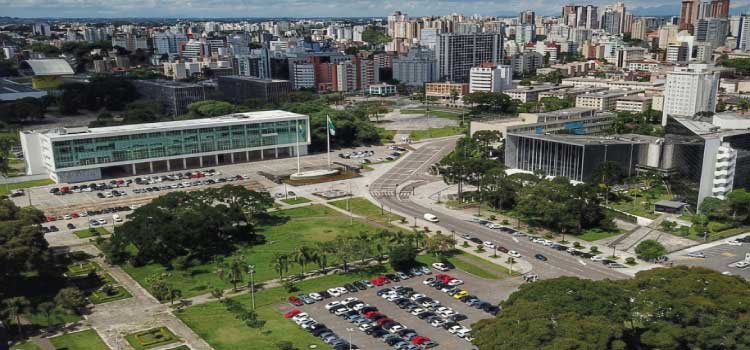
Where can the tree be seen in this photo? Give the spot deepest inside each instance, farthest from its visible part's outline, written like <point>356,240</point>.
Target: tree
<point>15,307</point>
<point>650,249</point>
<point>49,310</point>
<point>70,299</point>
<point>304,255</point>
<point>739,201</point>
<point>280,264</point>
<point>608,173</point>
<point>402,257</point>
<point>209,108</point>
<point>233,271</point>
<point>715,208</point>
<point>440,245</point>
<point>668,308</point>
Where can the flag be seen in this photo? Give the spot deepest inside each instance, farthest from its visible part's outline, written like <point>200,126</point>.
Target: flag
<point>331,127</point>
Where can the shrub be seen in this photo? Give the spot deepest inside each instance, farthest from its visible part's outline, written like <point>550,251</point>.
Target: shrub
<point>576,245</point>
<point>480,248</point>
<point>594,249</point>
<point>630,261</point>
<point>505,222</point>
<point>493,217</point>
<point>465,244</point>
<point>290,286</point>
<point>286,345</point>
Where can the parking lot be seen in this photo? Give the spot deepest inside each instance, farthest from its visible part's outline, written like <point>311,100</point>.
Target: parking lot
<point>721,258</point>
<point>491,291</point>
<point>248,176</point>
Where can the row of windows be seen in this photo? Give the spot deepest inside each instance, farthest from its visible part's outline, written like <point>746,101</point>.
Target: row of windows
<point>174,143</point>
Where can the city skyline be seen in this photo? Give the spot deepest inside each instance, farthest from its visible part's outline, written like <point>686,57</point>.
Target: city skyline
<point>314,8</point>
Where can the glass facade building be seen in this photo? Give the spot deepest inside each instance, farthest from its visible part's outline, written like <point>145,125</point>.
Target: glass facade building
<point>230,138</point>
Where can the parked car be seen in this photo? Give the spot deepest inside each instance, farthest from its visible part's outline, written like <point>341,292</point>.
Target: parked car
<point>540,257</point>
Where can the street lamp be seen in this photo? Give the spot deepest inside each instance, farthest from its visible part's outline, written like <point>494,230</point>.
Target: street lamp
<point>350,337</point>
<point>251,271</point>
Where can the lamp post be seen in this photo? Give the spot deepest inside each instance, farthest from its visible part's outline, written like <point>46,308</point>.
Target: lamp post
<point>251,271</point>
<point>350,337</point>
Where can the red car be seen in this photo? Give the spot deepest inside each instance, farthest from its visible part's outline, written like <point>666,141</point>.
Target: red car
<point>51,218</point>
<point>380,280</point>
<point>371,314</point>
<point>502,249</point>
<point>292,313</point>
<point>419,340</point>
<point>383,320</point>
<point>444,278</point>
<point>295,301</point>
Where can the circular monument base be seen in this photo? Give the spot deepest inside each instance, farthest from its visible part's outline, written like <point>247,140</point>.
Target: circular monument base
<point>313,174</point>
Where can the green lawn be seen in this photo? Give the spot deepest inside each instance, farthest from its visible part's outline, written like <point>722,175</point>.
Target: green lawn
<point>99,297</point>
<point>82,268</point>
<point>223,331</point>
<point>478,268</point>
<point>596,234</point>
<point>151,338</point>
<point>296,200</point>
<point>642,204</point>
<point>91,232</point>
<point>363,207</point>
<point>85,340</point>
<point>386,136</point>
<point>434,113</point>
<point>307,225</point>
<point>436,132</point>
<point>5,189</point>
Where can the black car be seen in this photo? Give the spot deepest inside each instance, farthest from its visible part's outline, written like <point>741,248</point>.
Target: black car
<point>351,288</point>
<point>493,310</point>
<point>318,331</point>
<point>426,314</point>
<point>476,240</point>
<point>448,325</point>
<point>458,317</point>
<point>53,228</point>
<point>99,195</point>
<point>71,226</point>
<point>359,285</point>
<point>482,305</point>
<point>393,341</point>
<point>377,333</point>
<point>540,257</point>
<point>392,277</point>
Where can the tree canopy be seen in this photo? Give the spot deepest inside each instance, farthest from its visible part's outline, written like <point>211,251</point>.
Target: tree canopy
<point>198,224</point>
<point>650,249</point>
<point>678,308</point>
<point>23,249</point>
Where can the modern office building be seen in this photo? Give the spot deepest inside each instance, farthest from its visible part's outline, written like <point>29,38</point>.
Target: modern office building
<point>11,91</point>
<point>712,30</point>
<point>382,89</point>
<point>86,154</point>
<point>47,72</point>
<point>489,77</point>
<point>601,100</point>
<point>238,89</point>
<point>574,156</point>
<point>531,93</point>
<point>690,90</point>
<point>174,95</point>
<point>418,67</point>
<point>678,53</point>
<point>458,53</point>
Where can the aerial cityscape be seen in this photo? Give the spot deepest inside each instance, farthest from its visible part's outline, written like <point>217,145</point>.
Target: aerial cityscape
<point>231,175</point>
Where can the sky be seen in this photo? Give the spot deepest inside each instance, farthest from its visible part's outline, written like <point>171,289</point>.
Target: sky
<point>306,8</point>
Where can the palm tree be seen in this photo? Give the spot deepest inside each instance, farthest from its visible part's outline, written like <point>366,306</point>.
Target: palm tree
<point>236,268</point>
<point>175,293</point>
<point>280,264</point>
<point>303,255</point>
<point>48,309</point>
<point>15,307</point>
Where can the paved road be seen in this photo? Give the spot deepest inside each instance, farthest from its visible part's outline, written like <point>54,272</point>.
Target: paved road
<point>416,163</point>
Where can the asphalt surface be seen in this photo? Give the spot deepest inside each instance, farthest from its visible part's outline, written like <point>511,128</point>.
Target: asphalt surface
<point>417,162</point>
<point>720,258</point>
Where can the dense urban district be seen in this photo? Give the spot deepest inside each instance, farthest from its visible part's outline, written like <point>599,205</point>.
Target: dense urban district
<point>569,181</point>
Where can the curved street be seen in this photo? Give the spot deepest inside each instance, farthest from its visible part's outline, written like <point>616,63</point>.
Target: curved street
<point>387,191</point>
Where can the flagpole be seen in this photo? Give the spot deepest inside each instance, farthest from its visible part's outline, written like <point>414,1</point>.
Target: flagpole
<point>296,131</point>
<point>328,140</point>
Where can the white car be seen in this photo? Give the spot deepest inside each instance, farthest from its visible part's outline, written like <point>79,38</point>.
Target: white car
<point>309,323</point>
<point>417,311</point>
<point>349,300</point>
<point>440,267</point>
<point>431,218</point>
<point>493,226</point>
<point>514,254</point>
<point>316,296</point>
<point>733,242</point>
<point>437,322</point>
<point>83,214</point>
<point>334,292</point>
<point>365,326</point>
<point>455,282</point>
<point>102,221</point>
<point>341,311</point>
<point>300,316</point>
<point>417,296</point>
<point>342,290</point>
<point>360,306</point>
<point>396,328</point>
<point>116,218</point>
<point>597,258</point>
<point>428,280</point>
<point>463,332</point>
<point>455,329</point>
<point>696,255</point>
<point>488,244</point>
<point>741,264</point>
<point>332,304</point>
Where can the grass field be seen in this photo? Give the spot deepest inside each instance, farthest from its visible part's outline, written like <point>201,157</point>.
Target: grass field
<point>307,225</point>
<point>223,331</point>
<point>434,113</point>
<point>386,136</point>
<point>86,233</point>
<point>474,265</point>
<point>5,189</point>
<point>436,132</point>
<point>296,200</point>
<point>364,208</point>
<point>82,268</point>
<point>596,234</point>
<point>151,338</point>
<point>28,345</point>
<point>85,340</point>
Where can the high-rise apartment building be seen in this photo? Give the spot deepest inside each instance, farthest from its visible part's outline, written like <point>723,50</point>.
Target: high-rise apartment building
<point>418,67</point>
<point>580,16</point>
<point>690,90</point>
<point>527,17</point>
<point>490,78</point>
<point>743,33</point>
<point>712,30</point>
<point>458,53</point>
<point>638,30</point>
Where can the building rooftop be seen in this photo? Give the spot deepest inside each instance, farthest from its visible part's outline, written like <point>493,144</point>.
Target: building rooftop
<point>167,83</point>
<point>265,81</point>
<point>50,66</point>
<point>671,204</point>
<point>536,88</point>
<point>11,87</point>
<point>635,98</point>
<point>230,119</point>
<point>568,111</point>
<point>586,140</point>
<point>604,94</point>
